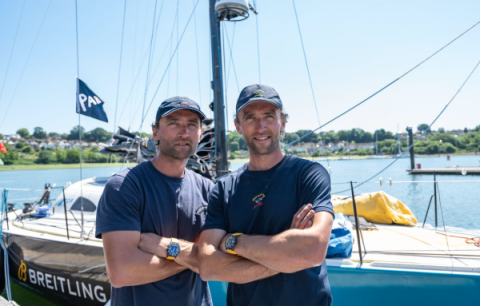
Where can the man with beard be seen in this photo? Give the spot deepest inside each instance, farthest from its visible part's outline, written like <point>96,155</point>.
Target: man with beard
<point>166,202</point>
<point>247,238</point>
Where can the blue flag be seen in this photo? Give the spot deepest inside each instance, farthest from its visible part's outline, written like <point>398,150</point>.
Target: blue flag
<point>88,103</point>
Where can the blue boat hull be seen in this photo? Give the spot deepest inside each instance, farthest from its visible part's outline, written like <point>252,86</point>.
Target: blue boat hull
<point>371,287</point>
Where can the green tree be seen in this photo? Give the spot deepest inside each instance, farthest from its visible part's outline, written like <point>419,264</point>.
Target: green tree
<point>53,134</point>
<point>234,146</point>
<point>61,155</point>
<point>1,136</point>
<point>19,145</point>
<point>316,154</point>
<point>10,157</point>
<point>101,135</point>
<point>441,130</point>
<point>45,157</point>
<point>73,156</point>
<point>28,150</point>
<point>74,133</point>
<point>24,133</point>
<point>233,155</point>
<point>39,133</point>
<point>422,127</point>
<point>64,136</point>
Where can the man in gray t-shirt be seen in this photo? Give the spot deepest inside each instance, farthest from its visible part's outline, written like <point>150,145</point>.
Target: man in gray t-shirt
<point>149,217</point>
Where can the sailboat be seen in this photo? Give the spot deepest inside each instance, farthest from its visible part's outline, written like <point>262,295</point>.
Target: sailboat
<point>51,252</point>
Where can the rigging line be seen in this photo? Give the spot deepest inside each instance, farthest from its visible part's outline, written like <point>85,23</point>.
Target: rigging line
<point>138,73</point>
<point>79,120</point>
<point>198,61</point>
<point>178,21</point>
<point>383,88</point>
<point>308,69</point>
<point>443,221</point>
<point>26,63</point>
<point>306,61</point>
<point>231,58</point>
<point>423,133</point>
<point>120,66</point>
<point>156,29</point>
<point>176,48</point>
<point>224,74</point>
<point>148,65</point>
<point>133,64</point>
<point>11,52</point>
<point>168,67</point>
<point>258,45</point>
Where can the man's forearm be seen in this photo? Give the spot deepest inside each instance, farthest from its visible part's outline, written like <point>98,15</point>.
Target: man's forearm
<point>188,256</point>
<point>142,268</point>
<point>290,251</point>
<point>231,268</point>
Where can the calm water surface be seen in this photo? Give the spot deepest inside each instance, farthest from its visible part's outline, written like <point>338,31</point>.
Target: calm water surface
<point>459,195</point>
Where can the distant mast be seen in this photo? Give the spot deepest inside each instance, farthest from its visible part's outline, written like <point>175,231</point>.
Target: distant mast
<point>221,10</point>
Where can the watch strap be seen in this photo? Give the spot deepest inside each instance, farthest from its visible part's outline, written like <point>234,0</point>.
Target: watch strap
<point>231,251</point>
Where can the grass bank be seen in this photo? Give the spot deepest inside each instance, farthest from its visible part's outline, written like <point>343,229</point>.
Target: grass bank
<point>56,166</point>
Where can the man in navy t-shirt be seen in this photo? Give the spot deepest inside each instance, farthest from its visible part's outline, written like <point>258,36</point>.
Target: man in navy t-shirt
<point>150,215</point>
<point>247,238</point>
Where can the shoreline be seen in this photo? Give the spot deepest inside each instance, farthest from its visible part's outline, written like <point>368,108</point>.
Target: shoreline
<point>237,160</point>
<point>56,166</point>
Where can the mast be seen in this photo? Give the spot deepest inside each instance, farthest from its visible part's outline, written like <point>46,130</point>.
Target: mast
<point>217,87</point>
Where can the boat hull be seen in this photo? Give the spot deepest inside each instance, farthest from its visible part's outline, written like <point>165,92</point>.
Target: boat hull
<point>72,272</point>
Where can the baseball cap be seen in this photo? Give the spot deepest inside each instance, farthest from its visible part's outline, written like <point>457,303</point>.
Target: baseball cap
<point>258,92</point>
<point>176,103</point>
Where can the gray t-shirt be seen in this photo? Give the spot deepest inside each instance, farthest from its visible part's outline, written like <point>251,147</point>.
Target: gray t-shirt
<point>145,200</point>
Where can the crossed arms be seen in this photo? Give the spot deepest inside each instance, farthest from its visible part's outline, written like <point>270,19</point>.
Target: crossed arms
<point>133,258</point>
<point>264,256</point>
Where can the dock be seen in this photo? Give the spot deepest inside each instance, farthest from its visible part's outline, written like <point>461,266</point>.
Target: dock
<point>448,170</point>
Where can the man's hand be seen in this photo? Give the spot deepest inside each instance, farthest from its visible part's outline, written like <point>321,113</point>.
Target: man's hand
<point>154,244</point>
<point>302,219</point>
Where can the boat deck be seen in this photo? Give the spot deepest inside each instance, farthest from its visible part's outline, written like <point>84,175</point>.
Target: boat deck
<point>399,246</point>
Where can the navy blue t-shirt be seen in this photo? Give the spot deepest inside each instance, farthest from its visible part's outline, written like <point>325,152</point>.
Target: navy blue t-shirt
<point>145,200</point>
<point>241,203</point>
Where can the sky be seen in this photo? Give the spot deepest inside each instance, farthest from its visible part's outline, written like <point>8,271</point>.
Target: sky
<point>353,48</point>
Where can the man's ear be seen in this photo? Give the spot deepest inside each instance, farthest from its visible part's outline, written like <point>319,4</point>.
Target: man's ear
<point>237,127</point>
<point>155,132</point>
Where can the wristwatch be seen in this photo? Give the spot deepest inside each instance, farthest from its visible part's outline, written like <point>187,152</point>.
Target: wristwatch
<point>173,249</point>
<point>230,243</point>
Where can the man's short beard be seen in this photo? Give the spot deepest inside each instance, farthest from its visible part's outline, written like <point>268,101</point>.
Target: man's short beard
<point>272,147</point>
<point>168,148</point>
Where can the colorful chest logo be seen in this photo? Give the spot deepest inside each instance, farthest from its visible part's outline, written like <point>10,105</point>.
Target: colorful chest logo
<point>258,200</point>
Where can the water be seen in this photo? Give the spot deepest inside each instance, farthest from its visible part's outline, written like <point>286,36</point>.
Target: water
<point>460,204</point>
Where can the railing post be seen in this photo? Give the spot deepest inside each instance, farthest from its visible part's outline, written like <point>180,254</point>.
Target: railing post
<point>435,195</point>
<point>65,209</point>
<point>357,225</point>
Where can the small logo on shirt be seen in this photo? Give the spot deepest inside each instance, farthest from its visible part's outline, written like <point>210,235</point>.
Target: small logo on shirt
<point>258,200</point>
<point>201,209</point>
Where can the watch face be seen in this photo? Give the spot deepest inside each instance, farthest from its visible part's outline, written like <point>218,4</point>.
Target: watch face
<point>173,249</point>
<point>230,242</point>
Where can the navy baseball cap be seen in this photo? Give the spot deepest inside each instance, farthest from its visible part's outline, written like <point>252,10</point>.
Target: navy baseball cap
<point>173,104</point>
<point>257,92</point>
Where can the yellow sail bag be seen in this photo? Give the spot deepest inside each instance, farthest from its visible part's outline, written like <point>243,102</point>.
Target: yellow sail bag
<point>376,207</point>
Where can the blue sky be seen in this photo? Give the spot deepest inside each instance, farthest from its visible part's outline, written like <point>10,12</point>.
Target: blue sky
<point>354,48</point>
